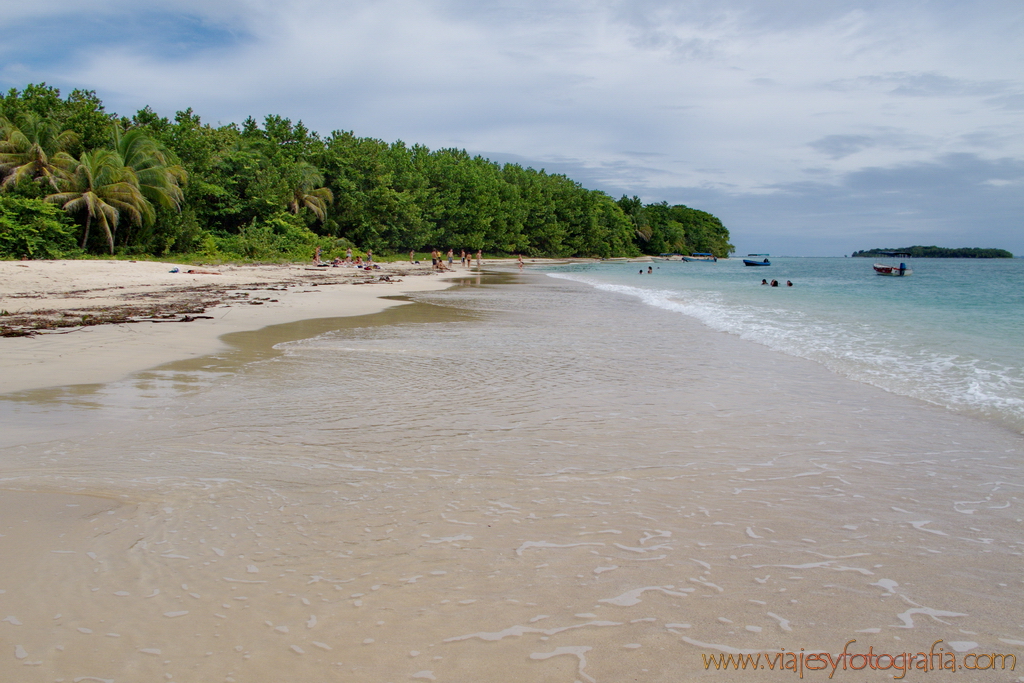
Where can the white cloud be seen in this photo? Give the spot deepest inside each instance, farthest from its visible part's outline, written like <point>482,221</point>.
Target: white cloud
<point>736,97</point>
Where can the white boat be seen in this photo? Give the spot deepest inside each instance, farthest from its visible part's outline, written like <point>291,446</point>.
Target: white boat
<point>700,256</point>
<point>900,270</point>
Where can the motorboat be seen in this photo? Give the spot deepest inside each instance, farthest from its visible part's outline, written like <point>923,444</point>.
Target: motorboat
<point>896,270</point>
<point>751,262</point>
<point>700,256</point>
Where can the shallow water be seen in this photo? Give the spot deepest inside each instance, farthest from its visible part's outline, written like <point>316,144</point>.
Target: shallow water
<point>536,481</point>
<point>950,334</point>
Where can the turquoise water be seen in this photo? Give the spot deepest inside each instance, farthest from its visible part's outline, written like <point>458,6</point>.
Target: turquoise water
<point>951,334</point>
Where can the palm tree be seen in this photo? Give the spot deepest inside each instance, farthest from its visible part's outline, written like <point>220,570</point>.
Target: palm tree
<point>32,147</point>
<point>99,185</point>
<point>303,182</point>
<point>158,174</point>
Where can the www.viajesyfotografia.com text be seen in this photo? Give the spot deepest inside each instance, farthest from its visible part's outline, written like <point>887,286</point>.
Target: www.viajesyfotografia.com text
<point>802,663</point>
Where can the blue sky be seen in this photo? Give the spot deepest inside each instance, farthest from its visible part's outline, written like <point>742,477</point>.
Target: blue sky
<point>808,127</point>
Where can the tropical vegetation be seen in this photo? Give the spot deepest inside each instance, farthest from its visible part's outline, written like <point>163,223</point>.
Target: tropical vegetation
<point>939,252</point>
<point>152,185</point>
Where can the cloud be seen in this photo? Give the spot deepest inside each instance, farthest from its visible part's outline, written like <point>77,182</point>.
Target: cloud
<point>839,146</point>
<point>785,106</point>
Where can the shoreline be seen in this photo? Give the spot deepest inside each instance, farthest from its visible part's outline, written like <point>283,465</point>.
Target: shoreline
<point>361,498</point>
<point>188,313</point>
<point>134,315</point>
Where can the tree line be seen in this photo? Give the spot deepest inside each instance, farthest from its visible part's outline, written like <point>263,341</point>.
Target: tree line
<point>77,179</point>
<point>940,252</point>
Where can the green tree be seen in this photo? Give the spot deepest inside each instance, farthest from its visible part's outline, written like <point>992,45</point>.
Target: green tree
<point>303,180</point>
<point>31,147</point>
<point>157,172</point>
<point>100,187</point>
<point>31,228</point>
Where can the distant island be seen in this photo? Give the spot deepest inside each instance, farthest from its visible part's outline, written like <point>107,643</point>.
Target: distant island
<point>940,252</point>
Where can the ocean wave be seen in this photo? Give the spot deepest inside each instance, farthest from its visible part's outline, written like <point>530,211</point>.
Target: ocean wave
<point>879,354</point>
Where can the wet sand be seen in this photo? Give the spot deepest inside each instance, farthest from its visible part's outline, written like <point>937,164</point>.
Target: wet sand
<point>499,483</point>
<point>213,302</point>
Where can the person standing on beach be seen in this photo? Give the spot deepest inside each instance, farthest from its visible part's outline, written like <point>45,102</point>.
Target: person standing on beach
<point>451,258</point>
<point>520,260</point>
<point>369,256</point>
<point>316,257</point>
<point>412,256</point>
<point>463,254</point>
<point>479,256</point>
<point>348,255</point>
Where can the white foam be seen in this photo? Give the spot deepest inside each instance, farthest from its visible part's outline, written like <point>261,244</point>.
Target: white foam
<point>630,598</point>
<point>452,539</point>
<point>518,630</point>
<point>728,649</point>
<point>908,617</point>
<point>917,364</point>
<point>642,550</point>
<point>544,544</point>
<point>783,623</point>
<point>577,651</point>
<point>920,527</point>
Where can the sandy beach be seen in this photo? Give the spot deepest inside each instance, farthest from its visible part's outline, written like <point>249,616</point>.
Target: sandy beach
<point>517,478</point>
<point>141,314</point>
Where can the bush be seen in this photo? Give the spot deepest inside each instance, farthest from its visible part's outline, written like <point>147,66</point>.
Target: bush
<point>31,228</point>
<point>282,236</point>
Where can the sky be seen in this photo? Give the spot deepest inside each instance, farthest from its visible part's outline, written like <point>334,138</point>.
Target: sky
<point>810,127</point>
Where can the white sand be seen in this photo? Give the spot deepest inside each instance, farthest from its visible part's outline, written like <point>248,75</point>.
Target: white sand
<point>109,352</point>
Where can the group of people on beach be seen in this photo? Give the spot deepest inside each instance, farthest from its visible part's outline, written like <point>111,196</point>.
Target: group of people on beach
<point>437,259</point>
<point>775,283</point>
<point>357,262</point>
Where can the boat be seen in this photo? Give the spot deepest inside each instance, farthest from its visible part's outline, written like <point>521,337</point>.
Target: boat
<point>893,269</point>
<point>749,262</point>
<point>700,256</point>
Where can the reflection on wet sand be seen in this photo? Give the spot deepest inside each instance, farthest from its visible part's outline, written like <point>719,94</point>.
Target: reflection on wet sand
<point>529,482</point>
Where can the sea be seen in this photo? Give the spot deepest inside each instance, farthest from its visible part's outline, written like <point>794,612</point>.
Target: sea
<point>577,472</point>
<point>951,334</point>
